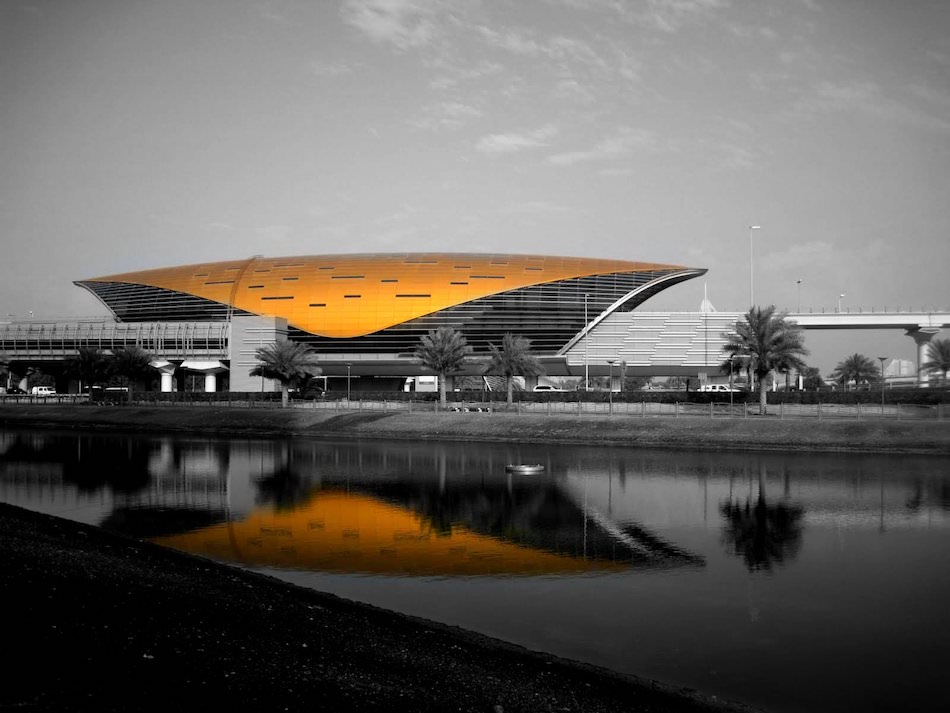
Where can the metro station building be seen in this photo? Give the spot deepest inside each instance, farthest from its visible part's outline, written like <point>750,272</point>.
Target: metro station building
<point>364,314</point>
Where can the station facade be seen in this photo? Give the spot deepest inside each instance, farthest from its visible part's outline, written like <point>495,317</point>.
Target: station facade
<point>364,314</point>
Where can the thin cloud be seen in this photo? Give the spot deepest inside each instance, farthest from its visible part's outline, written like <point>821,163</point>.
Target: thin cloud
<point>868,98</point>
<point>527,43</point>
<point>512,142</point>
<point>628,141</point>
<point>336,68</point>
<point>405,24</point>
<point>535,208</point>
<point>446,115</point>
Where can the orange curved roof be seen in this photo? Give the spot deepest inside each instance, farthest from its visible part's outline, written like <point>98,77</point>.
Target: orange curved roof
<point>354,295</point>
<point>351,532</point>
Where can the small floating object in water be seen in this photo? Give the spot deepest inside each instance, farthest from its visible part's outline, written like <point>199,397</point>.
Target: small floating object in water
<point>525,468</point>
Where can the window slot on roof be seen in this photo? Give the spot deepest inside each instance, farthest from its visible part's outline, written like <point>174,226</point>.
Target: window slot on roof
<point>289,278</point>
<point>458,283</point>
<point>351,297</point>
<point>220,282</point>
<point>487,277</point>
<point>414,295</point>
<point>318,304</point>
<point>463,267</point>
<point>201,274</point>
<point>389,280</point>
<point>347,277</point>
<point>284,297</point>
<point>254,287</point>
<point>326,268</point>
<point>534,268</point>
<point>290,264</point>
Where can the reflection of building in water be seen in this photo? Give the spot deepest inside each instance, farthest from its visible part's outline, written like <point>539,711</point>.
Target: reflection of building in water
<point>341,532</point>
<point>426,528</point>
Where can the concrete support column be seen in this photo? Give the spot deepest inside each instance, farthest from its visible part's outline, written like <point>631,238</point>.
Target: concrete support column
<point>922,337</point>
<point>530,382</point>
<point>211,382</point>
<point>167,371</point>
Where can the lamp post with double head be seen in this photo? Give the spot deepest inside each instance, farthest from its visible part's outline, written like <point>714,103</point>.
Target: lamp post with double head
<point>348,383</point>
<point>798,283</point>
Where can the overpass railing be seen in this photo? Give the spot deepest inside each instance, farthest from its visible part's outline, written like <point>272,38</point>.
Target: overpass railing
<point>62,339</point>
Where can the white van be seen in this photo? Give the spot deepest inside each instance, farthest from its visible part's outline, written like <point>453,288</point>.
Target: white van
<point>718,388</point>
<point>43,391</point>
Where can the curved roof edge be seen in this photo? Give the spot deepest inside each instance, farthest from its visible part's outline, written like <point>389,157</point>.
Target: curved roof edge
<point>645,291</point>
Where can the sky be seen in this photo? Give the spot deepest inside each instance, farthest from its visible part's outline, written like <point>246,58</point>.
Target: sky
<point>139,134</point>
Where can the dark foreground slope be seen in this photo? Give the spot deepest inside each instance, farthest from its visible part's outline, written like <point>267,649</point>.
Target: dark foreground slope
<point>96,622</point>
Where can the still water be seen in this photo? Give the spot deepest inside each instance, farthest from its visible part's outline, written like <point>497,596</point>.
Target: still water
<point>791,582</point>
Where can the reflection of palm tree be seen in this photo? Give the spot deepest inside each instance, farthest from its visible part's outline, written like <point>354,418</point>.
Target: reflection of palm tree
<point>762,534</point>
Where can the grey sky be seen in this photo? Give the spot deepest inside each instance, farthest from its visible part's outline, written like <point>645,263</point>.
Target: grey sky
<point>144,134</point>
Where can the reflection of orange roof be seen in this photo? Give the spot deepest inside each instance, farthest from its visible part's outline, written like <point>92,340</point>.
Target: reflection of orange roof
<point>354,295</point>
<point>341,532</point>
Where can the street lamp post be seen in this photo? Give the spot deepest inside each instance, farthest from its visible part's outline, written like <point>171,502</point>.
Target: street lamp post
<point>610,384</point>
<point>586,335</point>
<point>751,267</point>
<point>348,383</point>
<point>840,297</point>
<point>798,282</point>
<point>882,359</point>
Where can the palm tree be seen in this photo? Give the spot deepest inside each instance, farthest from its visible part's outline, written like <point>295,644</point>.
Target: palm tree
<point>131,365</point>
<point>88,366</point>
<point>857,368</point>
<point>768,341</point>
<point>287,362</point>
<point>443,350</point>
<point>514,357</point>
<point>939,352</point>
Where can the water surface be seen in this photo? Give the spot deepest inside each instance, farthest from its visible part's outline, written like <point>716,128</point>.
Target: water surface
<point>792,582</point>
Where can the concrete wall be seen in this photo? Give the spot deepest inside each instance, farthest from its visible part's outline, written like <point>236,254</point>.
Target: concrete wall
<point>248,334</point>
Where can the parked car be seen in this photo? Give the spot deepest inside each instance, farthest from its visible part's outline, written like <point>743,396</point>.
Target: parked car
<point>43,391</point>
<point>13,391</point>
<point>546,387</point>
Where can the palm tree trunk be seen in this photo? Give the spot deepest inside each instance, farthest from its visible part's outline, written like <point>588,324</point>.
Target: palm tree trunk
<point>762,390</point>
<point>442,388</point>
<point>284,395</point>
<point>508,384</point>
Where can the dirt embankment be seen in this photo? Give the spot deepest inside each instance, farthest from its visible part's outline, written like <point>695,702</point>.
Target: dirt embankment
<point>769,433</point>
<point>97,622</point>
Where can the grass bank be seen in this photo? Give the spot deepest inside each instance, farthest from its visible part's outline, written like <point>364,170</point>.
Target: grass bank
<point>768,433</point>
